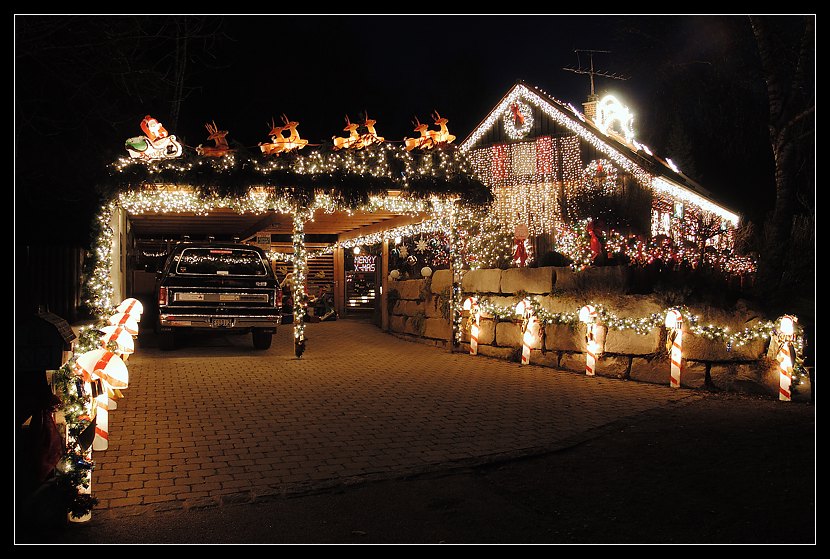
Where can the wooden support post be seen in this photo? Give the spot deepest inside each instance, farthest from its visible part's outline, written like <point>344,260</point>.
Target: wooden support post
<point>339,281</point>
<point>384,286</point>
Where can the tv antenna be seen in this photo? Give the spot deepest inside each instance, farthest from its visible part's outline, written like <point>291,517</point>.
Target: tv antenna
<point>590,71</point>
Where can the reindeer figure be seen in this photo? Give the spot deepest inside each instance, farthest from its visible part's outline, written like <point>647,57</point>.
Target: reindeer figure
<point>352,141</point>
<point>371,137</point>
<point>425,141</point>
<point>218,136</point>
<point>441,136</point>
<point>294,140</point>
<point>278,141</point>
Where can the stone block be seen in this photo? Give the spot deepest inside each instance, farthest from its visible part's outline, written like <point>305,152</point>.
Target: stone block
<point>481,281</point>
<point>505,353</point>
<point>397,323</point>
<point>432,307</point>
<point>563,338</point>
<point>572,362</point>
<point>407,308</point>
<point>441,279</point>
<point>612,366</point>
<point>692,374</point>
<point>565,278</point>
<point>408,289</point>
<point>532,280</point>
<point>704,349</point>
<point>629,342</point>
<point>655,370</point>
<point>437,328</point>
<point>508,334</point>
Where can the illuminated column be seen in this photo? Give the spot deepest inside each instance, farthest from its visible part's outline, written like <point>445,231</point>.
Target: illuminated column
<point>785,357</point>
<point>674,323</point>
<point>588,316</point>
<point>456,265</point>
<point>298,283</point>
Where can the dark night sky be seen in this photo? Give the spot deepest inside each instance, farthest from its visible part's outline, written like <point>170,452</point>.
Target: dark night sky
<point>82,89</point>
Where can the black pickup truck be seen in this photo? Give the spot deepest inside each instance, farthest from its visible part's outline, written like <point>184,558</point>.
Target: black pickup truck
<point>217,286</point>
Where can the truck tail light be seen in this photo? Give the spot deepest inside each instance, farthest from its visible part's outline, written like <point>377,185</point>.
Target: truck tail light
<point>278,298</point>
<point>162,295</point>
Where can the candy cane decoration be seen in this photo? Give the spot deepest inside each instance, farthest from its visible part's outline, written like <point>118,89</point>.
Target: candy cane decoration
<point>126,321</point>
<point>674,322</point>
<point>106,367</point>
<point>132,307</point>
<point>471,305</point>
<point>524,310</point>
<point>786,331</point>
<point>588,316</point>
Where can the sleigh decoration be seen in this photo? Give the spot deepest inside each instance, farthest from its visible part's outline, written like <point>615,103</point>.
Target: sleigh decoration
<point>155,144</point>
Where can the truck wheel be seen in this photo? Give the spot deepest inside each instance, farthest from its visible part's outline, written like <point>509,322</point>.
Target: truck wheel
<point>262,340</point>
<point>167,340</point>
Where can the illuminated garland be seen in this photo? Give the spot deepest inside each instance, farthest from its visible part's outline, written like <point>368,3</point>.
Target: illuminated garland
<point>573,242</point>
<point>347,175</point>
<point>644,325</point>
<point>74,469</point>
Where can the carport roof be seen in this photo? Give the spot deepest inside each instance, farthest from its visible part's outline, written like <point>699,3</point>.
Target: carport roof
<point>228,223</point>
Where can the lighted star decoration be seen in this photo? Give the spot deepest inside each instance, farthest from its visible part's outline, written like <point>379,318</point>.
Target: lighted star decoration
<point>403,251</point>
<point>421,245</point>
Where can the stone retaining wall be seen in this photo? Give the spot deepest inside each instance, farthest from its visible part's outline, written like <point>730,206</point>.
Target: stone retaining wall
<point>626,354</point>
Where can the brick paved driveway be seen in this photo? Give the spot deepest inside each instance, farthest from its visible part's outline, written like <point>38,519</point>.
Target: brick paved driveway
<point>216,421</point>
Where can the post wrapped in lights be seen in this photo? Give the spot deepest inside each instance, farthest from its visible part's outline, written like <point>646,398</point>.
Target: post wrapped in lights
<point>298,286</point>
<point>786,356</point>
<point>471,306</point>
<point>529,326</point>
<point>674,324</point>
<point>588,316</point>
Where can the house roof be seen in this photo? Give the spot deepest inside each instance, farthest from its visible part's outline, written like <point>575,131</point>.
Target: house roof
<point>634,158</point>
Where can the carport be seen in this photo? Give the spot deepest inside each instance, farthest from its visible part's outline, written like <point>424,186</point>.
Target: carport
<point>301,206</point>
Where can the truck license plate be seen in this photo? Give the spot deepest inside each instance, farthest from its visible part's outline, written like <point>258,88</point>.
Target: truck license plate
<point>221,322</point>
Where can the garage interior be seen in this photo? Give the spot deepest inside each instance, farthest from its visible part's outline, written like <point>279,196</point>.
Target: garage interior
<point>150,236</point>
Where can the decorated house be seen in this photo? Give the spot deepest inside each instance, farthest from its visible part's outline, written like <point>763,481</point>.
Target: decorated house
<point>580,183</point>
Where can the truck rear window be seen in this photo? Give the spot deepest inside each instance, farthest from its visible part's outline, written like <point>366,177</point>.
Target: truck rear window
<point>220,262</point>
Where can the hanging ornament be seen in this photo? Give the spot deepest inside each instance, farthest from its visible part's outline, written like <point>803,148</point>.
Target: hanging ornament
<point>421,246</point>
<point>403,251</point>
<point>218,136</point>
<point>156,144</point>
